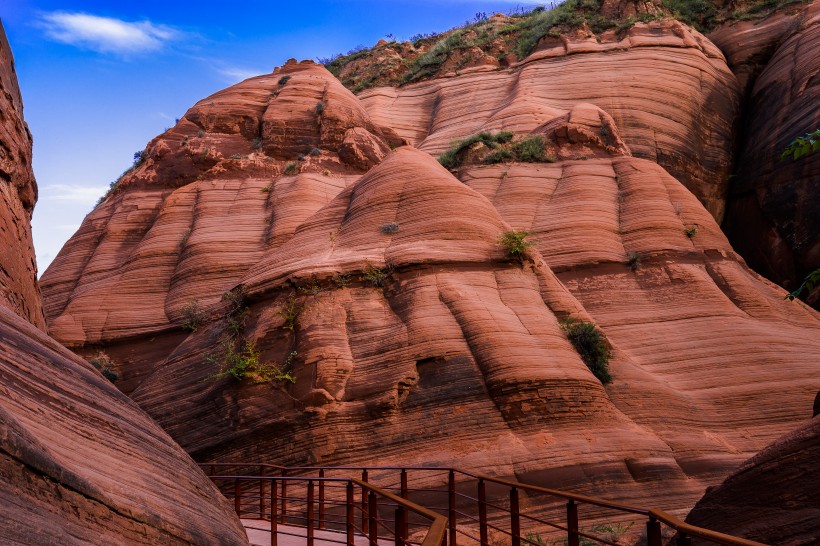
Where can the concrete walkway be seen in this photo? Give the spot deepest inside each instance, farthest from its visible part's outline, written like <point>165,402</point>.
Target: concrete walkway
<point>259,535</point>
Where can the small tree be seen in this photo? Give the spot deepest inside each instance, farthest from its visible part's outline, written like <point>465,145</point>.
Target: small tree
<point>515,244</point>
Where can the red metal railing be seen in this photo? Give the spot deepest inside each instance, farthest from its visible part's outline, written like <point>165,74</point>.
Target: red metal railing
<point>477,505</point>
<point>293,500</point>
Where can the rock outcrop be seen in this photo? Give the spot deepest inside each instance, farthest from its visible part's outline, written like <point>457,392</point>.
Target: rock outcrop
<point>774,497</point>
<point>375,278</point>
<point>80,463</point>
<point>772,216</point>
<point>18,193</point>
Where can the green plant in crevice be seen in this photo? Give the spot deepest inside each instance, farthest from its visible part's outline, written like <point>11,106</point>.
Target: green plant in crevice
<point>193,316</point>
<point>691,231</point>
<point>284,79</point>
<point>808,284</point>
<point>104,364</point>
<point>291,168</point>
<point>591,344</point>
<point>290,313</point>
<point>802,145</point>
<point>376,276</point>
<point>515,243</point>
<point>246,363</point>
<point>633,260</point>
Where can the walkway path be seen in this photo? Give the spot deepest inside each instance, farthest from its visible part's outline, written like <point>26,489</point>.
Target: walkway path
<point>259,535</point>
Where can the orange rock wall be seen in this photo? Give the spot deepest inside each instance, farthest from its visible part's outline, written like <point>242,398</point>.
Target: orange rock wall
<point>457,357</point>
<point>18,193</point>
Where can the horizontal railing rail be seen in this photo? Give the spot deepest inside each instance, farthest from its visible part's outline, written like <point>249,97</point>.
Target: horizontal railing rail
<point>471,512</point>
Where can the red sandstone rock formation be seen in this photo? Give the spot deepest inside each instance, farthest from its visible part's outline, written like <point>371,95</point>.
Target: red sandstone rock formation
<point>417,339</point>
<point>18,193</point>
<point>774,497</point>
<point>772,217</point>
<point>80,463</point>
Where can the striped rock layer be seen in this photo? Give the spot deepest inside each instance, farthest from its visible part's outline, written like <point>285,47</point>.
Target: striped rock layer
<point>80,463</point>
<point>330,240</point>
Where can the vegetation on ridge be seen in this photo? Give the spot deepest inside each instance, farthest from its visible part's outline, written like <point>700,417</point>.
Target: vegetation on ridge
<point>503,148</point>
<point>513,37</point>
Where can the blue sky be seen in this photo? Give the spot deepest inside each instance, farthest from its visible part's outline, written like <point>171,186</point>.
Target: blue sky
<point>100,79</point>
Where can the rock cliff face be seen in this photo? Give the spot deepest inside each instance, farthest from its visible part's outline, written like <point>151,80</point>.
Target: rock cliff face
<point>258,230</point>
<point>18,193</point>
<point>772,217</point>
<point>80,463</point>
<point>773,497</point>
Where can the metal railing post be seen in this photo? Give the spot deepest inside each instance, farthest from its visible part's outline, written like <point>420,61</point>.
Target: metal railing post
<point>451,505</point>
<point>310,513</point>
<point>653,532</point>
<point>351,500</point>
<point>515,518</point>
<point>284,510</point>
<point>321,499</point>
<point>572,524</point>
<point>273,515</point>
<point>401,526</point>
<point>405,492</point>
<point>373,517</point>
<point>261,493</point>
<point>237,498</point>
<point>482,512</point>
<point>365,519</point>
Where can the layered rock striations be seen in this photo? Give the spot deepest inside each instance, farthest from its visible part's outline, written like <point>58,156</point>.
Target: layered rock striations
<point>287,221</point>
<point>18,193</point>
<point>773,497</point>
<point>80,463</point>
<point>772,216</point>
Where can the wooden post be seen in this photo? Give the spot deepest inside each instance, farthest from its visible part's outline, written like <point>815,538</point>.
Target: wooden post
<point>451,502</point>
<point>572,524</point>
<point>482,512</point>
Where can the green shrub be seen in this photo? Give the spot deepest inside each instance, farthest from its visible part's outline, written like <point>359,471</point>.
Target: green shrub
<point>290,313</point>
<point>390,228</point>
<point>315,152</point>
<point>320,107</point>
<point>376,276</point>
<point>454,156</point>
<point>515,244</point>
<point>530,150</point>
<point>591,345</point>
<point>691,231</point>
<point>103,363</point>
<point>801,146</point>
<point>633,260</point>
<point>246,364</point>
<point>291,168</point>
<point>193,316</point>
<point>284,79</point>
<point>499,156</point>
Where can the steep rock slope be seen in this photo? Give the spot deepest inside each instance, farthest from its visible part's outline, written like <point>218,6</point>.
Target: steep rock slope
<point>666,86</point>
<point>18,193</point>
<point>80,463</point>
<point>412,336</point>
<point>772,218</point>
<point>774,497</point>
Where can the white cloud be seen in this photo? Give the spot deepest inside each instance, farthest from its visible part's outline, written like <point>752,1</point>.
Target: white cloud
<point>233,74</point>
<point>76,194</point>
<point>106,34</point>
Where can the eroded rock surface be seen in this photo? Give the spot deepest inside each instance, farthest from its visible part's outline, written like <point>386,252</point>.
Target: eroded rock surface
<point>18,193</point>
<point>80,463</point>
<point>772,218</point>
<point>412,335</point>
<point>773,497</point>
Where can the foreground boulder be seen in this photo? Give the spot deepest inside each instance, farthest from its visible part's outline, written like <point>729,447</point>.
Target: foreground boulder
<point>79,462</point>
<point>774,497</point>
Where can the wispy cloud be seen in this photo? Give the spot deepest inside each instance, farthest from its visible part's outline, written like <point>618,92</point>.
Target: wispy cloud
<point>233,74</point>
<point>106,34</point>
<point>87,195</point>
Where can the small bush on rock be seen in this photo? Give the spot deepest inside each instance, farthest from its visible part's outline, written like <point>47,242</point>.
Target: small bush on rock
<point>591,345</point>
<point>515,244</point>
